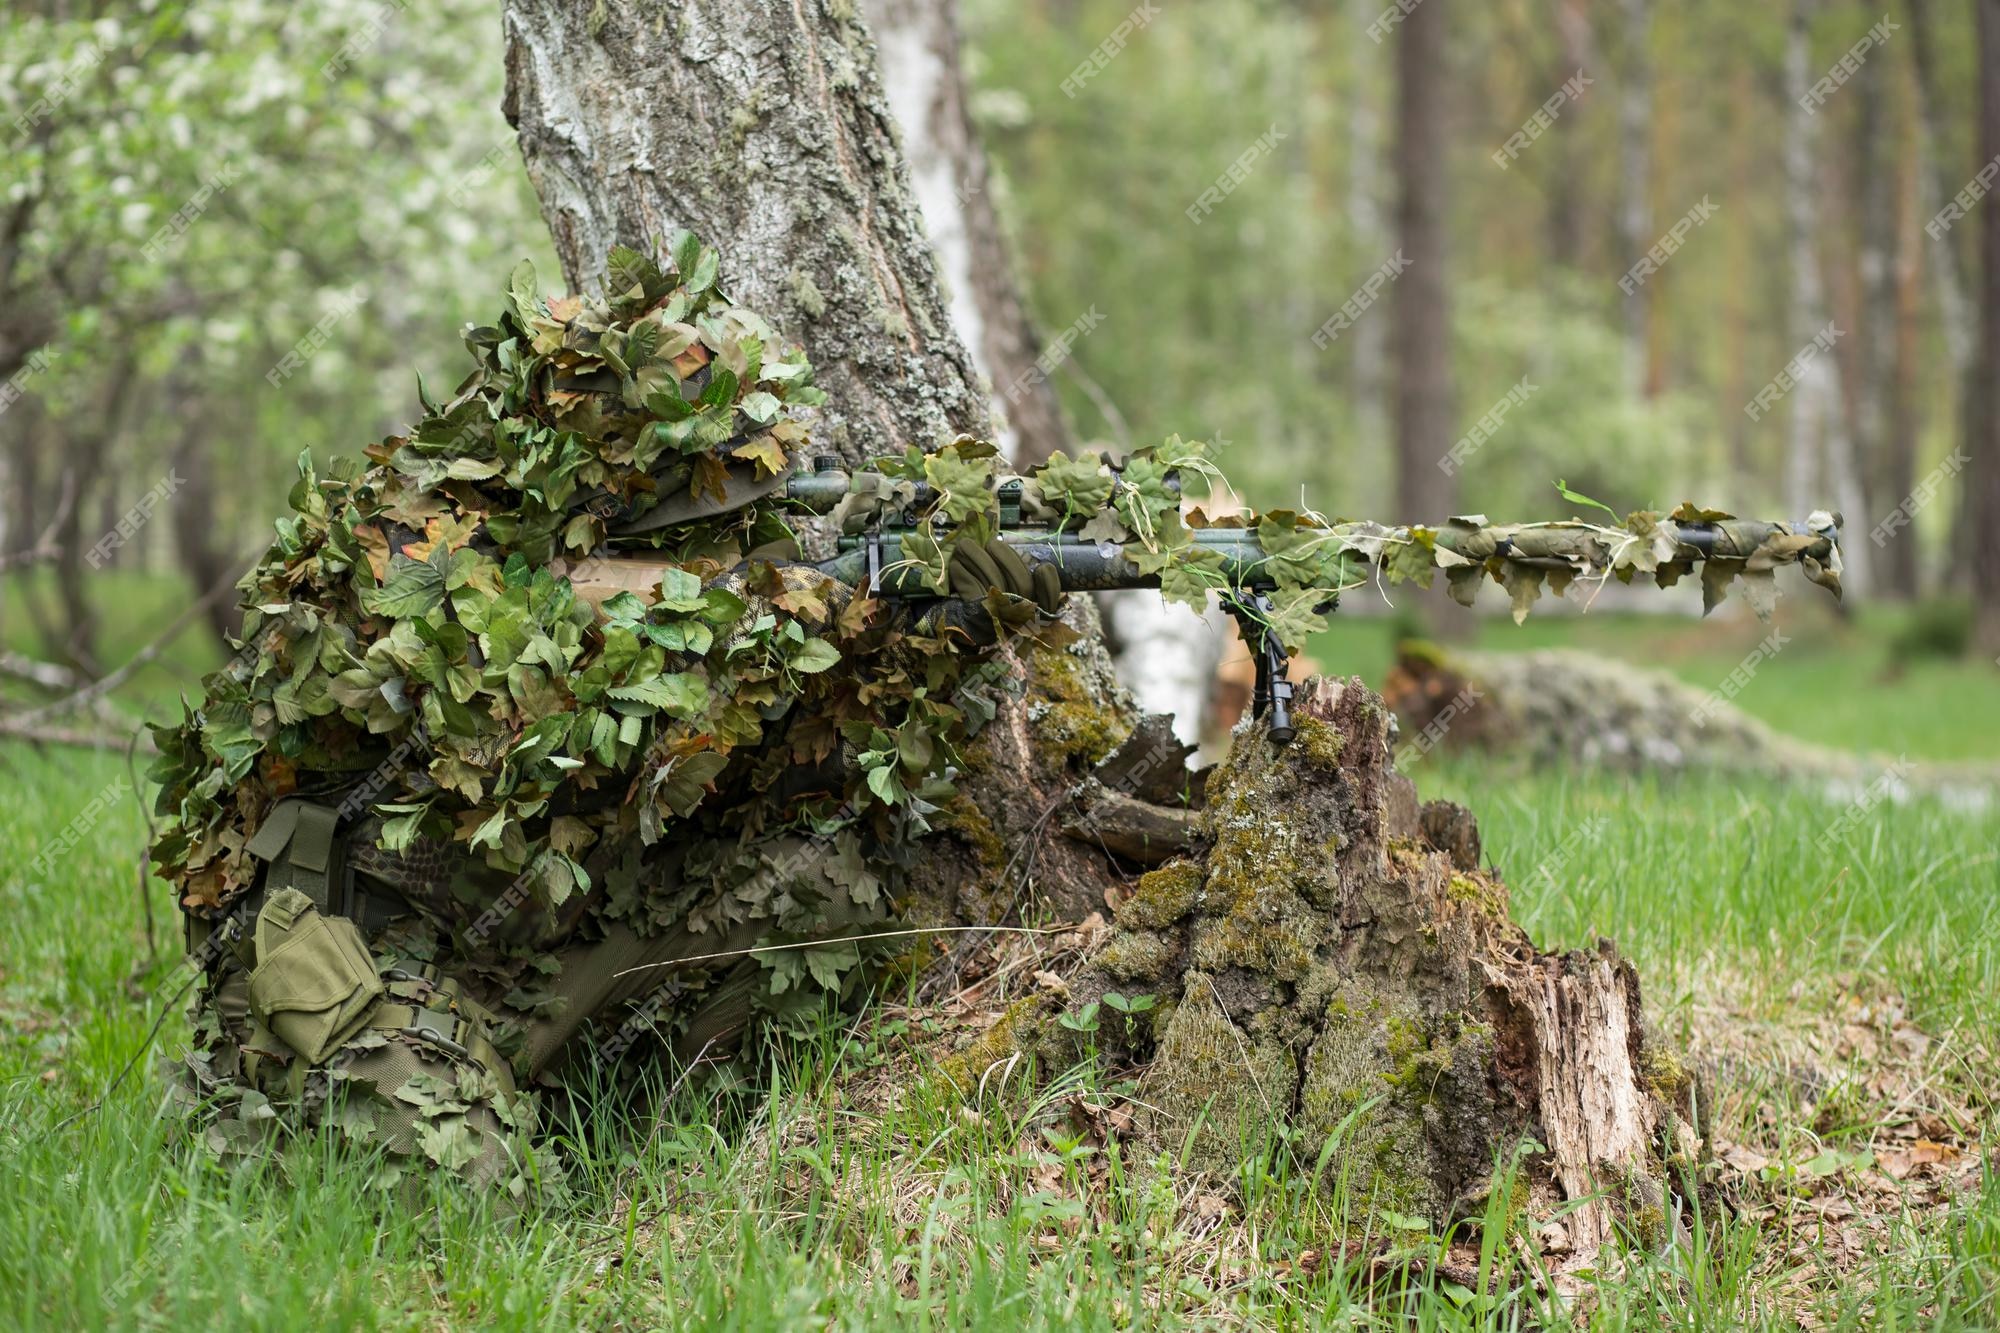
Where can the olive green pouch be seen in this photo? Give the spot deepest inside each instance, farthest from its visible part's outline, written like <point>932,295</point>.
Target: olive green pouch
<point>314,981</point>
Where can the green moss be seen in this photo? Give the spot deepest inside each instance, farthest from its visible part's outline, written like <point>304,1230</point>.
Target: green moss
<point>1134,955</point>
<point>1278,934</point>
<point>964,817</point>
<point>1320,742</point>
<point>1162,897</point>
<point>743,118</point>
<point>1068,719</point>
<point>1477,890</point>
<point>1665,1075</point>
<point>1213,1075</point>
<point>1012,1034</point>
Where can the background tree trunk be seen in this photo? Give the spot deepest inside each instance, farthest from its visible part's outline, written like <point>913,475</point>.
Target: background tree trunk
<point>1166,655</point>
<point>1426,406</point>
<point>924,79</point>
<point>1949,271</point>
<point>1819,452</point>
<point>1635,158</point>
<point>1983,473</point>
<point>766,132</point>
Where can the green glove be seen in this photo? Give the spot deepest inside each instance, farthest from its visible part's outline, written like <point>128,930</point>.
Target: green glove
<point>975,568</point>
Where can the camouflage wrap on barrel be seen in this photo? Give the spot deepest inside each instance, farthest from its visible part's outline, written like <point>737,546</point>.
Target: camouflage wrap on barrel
<point>1127,526</point>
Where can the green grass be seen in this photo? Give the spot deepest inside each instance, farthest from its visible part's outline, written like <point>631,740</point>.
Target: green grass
<point>813,1205</point>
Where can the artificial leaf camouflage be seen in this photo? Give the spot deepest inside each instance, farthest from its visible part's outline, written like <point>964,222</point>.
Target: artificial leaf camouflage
<point>685,770</point>
<point>551,775</point>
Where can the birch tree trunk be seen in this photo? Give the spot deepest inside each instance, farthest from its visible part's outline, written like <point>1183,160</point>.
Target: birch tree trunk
<point>766,131</point>
<point>924,79</point>
<point>1426,406</point>
<point>1819,450</point>
<point>1635,213</point>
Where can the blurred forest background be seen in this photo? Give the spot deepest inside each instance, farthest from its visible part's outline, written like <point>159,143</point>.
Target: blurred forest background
<point>229,232</point>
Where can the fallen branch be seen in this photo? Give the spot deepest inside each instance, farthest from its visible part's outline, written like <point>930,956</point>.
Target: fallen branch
<point>89,740</point>
<point>46,675</point>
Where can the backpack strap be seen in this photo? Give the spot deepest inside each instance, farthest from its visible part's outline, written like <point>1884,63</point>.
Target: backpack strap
<point>298,842</point>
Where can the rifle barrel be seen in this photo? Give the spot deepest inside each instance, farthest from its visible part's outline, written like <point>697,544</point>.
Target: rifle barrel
<point>1089,565</point>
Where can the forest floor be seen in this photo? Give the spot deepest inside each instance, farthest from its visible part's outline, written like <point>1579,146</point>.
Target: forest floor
<point>1839,1004</point>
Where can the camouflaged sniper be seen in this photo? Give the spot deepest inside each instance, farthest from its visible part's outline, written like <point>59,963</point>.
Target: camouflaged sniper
<point>476,802</point>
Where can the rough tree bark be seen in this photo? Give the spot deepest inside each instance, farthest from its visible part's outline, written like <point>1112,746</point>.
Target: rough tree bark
<point>1320,960</point>
<point>769,134</point>
<point>766,131</point>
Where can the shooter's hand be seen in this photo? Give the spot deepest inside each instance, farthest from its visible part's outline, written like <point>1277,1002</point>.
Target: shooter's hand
<point>977,568</point>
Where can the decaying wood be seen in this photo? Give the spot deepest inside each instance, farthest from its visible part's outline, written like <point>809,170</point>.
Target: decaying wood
<point>1136,830</point>
<point>1321,962</point>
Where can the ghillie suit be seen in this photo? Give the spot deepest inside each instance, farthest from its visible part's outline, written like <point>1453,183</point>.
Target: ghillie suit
<point>429,818</point>
<point>539,721</point>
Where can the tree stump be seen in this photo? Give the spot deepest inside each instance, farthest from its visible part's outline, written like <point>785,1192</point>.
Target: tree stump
<point>1333,959</point>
